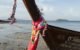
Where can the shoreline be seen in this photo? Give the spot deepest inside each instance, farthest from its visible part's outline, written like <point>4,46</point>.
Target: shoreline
<point>19,41</point>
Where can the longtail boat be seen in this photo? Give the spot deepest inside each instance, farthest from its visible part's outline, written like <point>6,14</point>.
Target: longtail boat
<point>55,37</point>
<point>4,21</point>
<point>12,17</point>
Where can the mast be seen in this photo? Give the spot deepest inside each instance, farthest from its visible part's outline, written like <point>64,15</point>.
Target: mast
<point>13,10</point>
<point>36,15</point>
<point>12,17</point>
<point>38,23</point>
<point>32,9</point>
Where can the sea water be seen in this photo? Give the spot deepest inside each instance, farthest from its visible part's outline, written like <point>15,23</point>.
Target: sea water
<point>72,25</point>
<point>25,26</point>
<point>16,36</point>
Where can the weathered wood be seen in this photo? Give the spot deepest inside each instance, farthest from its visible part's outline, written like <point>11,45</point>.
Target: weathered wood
<point>56,36</point>
<point>32,9</point>
<point>13,10</point>
<point>4,21</point>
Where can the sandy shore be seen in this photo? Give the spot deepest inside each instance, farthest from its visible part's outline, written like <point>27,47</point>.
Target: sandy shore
<point>19,41</point>
<point>17,36</point>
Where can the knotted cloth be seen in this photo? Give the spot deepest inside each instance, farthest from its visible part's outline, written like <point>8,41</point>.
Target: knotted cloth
<point>36,27</point>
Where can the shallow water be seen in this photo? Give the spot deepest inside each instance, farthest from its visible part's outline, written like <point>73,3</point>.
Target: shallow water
<point>9,34</point>
<point>17,35</point>
<point>72,25</point>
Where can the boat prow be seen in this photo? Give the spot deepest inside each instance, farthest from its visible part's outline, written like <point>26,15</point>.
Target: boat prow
<point>62,39</point>
<point>4,21</point>
<point>8,21</point>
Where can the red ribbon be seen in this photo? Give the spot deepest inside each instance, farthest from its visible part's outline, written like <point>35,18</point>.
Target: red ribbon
<point>35,34</point>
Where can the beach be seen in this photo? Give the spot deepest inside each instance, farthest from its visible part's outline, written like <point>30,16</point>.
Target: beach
<point>16,37</point>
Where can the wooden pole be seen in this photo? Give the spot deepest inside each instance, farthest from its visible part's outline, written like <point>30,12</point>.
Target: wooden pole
<point>13,10</point>
<point>32,9</point>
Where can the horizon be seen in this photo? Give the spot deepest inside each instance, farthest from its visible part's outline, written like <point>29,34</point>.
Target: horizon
<point>52,9</point>
<point>52,20</point>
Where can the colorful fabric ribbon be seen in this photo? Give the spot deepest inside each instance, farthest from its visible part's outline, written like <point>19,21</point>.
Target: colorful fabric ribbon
<point>37,26</point>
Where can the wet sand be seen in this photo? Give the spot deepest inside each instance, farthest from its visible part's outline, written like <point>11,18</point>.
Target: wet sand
<point>17,36</point>
<point>19,41</point>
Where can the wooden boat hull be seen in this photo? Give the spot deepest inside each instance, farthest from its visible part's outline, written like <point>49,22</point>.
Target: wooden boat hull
<point>61,39</point>
<point>4,21</point>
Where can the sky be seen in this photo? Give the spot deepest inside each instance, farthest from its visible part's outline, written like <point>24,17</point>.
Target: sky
<point>51,9</point>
